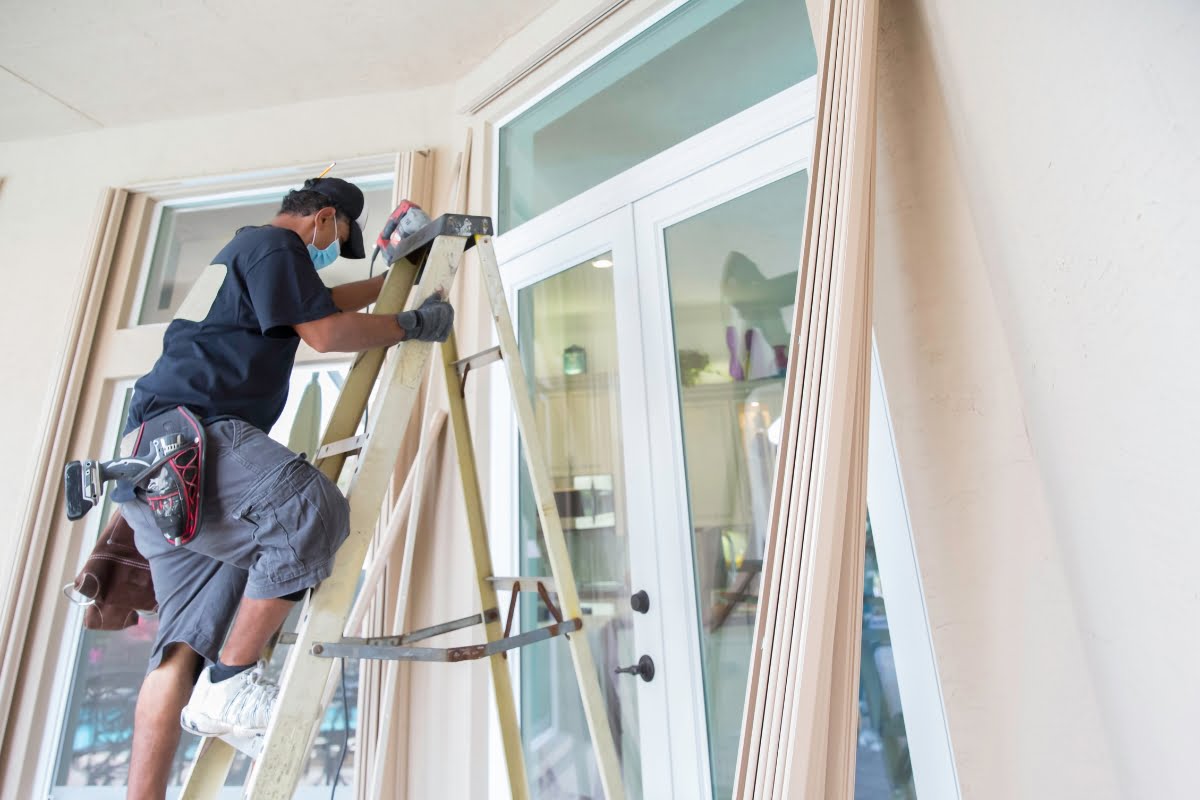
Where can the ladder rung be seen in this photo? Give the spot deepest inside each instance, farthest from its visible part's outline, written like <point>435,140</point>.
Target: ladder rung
<point>444,654</point>
<point>353,444</point>
<point>528,583</point>
<point>480,359</point>
<point>491,615</point>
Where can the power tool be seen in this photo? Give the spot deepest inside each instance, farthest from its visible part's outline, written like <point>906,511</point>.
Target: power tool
<point>404,221</point>
<point>166,471</point>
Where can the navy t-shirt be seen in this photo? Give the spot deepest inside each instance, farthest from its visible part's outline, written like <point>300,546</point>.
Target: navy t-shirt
<point>238,360</point>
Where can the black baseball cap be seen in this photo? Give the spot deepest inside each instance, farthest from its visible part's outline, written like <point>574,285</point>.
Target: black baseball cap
<point>347,199</point>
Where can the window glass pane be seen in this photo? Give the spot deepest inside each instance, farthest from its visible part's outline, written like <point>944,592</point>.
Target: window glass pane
<point>883,769</point>
<point>191,232</point>
<point>704,63</point>
<point>97,733</point>
<point>568,340</point>
<point>732,274</point>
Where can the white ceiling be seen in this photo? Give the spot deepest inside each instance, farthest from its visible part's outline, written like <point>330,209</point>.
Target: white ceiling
<point>75,65</point>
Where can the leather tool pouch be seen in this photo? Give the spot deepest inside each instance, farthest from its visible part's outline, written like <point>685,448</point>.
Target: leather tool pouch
<point>114,584</point>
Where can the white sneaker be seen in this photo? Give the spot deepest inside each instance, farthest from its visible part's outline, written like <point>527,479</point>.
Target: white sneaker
<point>240,705</point>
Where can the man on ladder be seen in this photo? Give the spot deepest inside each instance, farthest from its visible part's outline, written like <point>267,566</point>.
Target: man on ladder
<point>270,522</point>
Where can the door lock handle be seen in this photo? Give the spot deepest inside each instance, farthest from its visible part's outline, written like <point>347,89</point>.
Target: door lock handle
<point>640,601</point>
<point>644,668</point>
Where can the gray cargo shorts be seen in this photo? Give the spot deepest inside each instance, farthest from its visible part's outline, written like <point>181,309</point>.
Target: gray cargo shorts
<point>271,526</point>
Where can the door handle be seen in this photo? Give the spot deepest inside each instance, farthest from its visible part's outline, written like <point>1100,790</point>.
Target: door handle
<point>644,668</point>
<point>640,601</point>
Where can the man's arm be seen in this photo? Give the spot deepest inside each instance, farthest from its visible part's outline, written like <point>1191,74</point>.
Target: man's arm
<point>357,295</point>
<point>350,331</point>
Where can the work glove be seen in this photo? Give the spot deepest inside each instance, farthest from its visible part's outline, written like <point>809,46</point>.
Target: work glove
<point>431,322</point>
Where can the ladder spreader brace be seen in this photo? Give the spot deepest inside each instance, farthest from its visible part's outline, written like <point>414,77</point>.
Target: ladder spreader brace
<point>428,262</point>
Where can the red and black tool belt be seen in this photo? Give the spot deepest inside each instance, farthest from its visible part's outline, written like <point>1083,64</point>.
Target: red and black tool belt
<point>173,443</point>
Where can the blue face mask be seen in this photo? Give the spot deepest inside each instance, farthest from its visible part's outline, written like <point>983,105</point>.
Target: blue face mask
<point>323,258</point>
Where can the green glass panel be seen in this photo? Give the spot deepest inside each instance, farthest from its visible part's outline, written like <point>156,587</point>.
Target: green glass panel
<point>701,64</point>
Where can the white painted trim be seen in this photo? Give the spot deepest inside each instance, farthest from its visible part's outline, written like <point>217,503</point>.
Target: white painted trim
<point>935,773</point>
<point>285,175</point>
<point>502,513</point>
<point>542,56</point>
<point>143,269</point>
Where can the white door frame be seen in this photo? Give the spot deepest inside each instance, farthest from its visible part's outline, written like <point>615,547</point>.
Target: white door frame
<point>610,233</point>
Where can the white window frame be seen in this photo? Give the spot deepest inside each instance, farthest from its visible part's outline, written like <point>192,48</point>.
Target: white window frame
<point>360,170</point>
<point>934,771</point>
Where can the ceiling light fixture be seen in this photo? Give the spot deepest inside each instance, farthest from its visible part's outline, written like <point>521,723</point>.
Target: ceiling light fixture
<point>601,263</point>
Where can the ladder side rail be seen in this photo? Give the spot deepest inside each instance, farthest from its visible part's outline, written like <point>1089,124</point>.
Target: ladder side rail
<point>210,767</point>
<point>506,706</point>
<point>301,689</point>
<point>556,548</point>
<point>214,758</point>
<point>356,391</point>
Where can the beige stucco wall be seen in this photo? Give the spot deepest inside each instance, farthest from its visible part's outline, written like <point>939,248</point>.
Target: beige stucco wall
<point>1075,125</point>
<point>1020,705</point>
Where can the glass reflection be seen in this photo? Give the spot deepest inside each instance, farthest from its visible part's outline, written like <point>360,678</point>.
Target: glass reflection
<point>733,272</point>
<point>568,338</point>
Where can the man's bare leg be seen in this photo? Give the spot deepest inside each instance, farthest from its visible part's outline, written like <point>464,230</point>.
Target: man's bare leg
<point>256,622</point>
<point>164,693</point>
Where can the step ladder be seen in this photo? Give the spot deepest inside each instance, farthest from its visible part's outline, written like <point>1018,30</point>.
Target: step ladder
<point>429,259</point>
